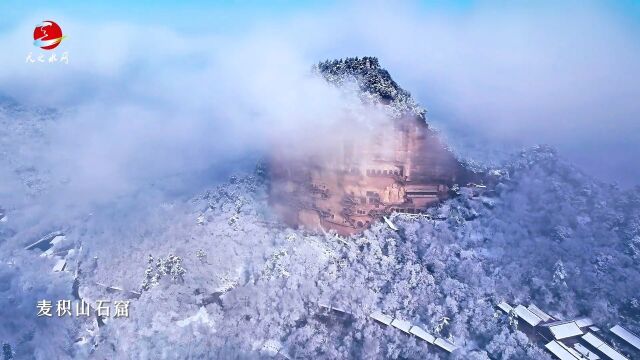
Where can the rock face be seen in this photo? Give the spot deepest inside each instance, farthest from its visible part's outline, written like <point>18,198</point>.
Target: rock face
<point>370,171</point>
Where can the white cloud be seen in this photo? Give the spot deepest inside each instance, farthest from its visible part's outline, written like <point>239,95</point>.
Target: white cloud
<point>148,101</point>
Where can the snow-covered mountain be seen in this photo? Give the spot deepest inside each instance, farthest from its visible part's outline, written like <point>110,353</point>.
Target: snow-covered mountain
<point>218,276</point>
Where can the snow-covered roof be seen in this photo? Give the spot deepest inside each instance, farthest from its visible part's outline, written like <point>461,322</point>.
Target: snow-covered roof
<point>391,225</point>
<point>58,239</point>
<point>592,340</point>
<point>560,351</point>
<point>539,313</point>
<point>612,353</point>
<point>627,336</point>
<point>505,307</point>
<point>329,306</point>
<point>52,245</point>
<point>402,325</point>
<point>45,242</point>
<point>419,332</point>
<point>130,294</point>
<point>324,304</point>
<point>584,322</point>
<point>59,266</point>
<point>603,347</point>
<point>385,319</point>
<point>594,328</point>
<point>340,309</point>
<point>586,352</point>
<point>527,315</point>
<point>283,354</point>
<point>566,330</point>
<point>444,344</point>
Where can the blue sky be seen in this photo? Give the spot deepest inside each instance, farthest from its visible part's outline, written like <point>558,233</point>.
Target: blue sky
<point>232,15</point>
<point>188,15</point>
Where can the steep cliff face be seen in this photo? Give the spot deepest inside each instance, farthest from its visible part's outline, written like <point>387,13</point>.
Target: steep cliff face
<point>398,164</point>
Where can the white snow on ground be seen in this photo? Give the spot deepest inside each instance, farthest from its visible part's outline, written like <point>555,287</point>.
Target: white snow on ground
<point>202,316</point>
<point>544,234</point>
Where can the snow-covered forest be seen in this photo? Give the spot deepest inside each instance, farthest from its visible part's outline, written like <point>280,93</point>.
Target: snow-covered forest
<point>216,275</point>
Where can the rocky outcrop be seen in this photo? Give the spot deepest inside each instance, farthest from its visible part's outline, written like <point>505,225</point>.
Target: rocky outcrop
<point>398,165</point>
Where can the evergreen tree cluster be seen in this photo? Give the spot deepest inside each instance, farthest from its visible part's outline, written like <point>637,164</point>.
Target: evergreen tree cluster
<point>373,81</point>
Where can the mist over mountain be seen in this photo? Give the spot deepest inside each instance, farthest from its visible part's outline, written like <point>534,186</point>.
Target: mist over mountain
<point>213,273</point>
